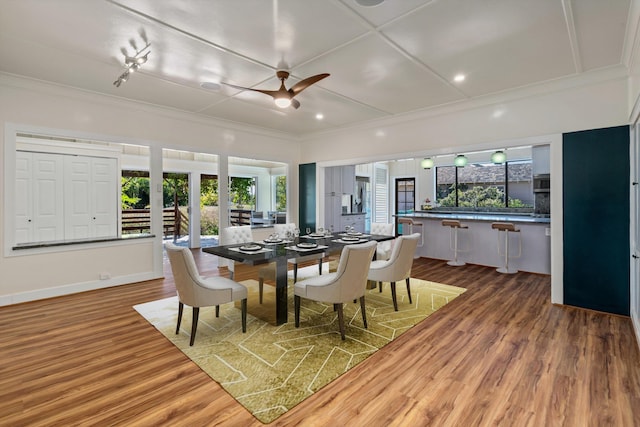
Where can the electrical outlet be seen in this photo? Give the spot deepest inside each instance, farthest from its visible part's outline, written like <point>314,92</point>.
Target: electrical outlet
<point>547,231</point>
<point>105,276</point>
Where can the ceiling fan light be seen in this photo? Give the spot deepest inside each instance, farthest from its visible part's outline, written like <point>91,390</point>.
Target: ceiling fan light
<point>460,161</point>
<point>427,163</point>
<point>499,157</point>
<point>282,102</point>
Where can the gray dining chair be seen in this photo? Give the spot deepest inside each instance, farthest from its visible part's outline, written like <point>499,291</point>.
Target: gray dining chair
<point>197,291</point>
<point>347,284</point>
<point>397,267</point>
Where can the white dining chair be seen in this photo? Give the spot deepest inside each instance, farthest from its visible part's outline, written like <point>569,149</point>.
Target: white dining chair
<point>233,235</point>
<point>347,284</point>
<point>383,251</point>
<point>197,291</point>
<point>281,230</point>
<point>397,267</point>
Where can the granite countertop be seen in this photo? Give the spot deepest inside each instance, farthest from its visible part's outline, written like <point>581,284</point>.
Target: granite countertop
<point>479,216</point>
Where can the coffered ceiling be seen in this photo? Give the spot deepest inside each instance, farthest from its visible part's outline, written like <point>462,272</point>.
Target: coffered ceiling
<point>388,60</point>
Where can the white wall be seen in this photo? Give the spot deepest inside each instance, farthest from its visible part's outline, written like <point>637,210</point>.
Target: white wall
<point>34,274</point>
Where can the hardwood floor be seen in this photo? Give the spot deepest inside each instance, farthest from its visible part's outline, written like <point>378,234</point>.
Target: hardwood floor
<point>500,354</point>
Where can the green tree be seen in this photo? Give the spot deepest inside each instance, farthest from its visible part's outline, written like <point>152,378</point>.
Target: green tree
<point>240,191</point>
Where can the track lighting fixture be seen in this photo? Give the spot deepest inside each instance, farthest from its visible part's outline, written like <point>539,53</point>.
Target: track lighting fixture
<point>133,63</point>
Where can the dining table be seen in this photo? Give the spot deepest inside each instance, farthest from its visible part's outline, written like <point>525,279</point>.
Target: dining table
<point>280,250</point>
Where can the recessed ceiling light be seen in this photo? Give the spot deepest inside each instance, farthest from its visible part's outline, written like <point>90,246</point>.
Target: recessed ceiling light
<point>319,116</point>
<point>369,3</point>
<point>210,86</point>
<point>459,78</point>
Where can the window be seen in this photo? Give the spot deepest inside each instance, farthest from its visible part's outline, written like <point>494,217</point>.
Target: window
<point>405,195</point>
<point>485,185</point>
<point>280,190</point>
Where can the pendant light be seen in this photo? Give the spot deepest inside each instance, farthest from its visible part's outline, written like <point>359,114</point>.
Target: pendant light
<point>460,161</point>
<point>499,157</point>
<point>426,163</point>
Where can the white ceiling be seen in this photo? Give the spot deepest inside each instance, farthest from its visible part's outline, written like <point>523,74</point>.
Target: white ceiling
<point>388,60</point>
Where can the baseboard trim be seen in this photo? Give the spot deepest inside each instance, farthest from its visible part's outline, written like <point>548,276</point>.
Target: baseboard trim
<point>75,288</point>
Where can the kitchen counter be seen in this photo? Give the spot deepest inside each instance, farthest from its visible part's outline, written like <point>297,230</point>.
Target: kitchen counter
<point>479,216</point>
<point>352,213</point>
<point>479,242</point>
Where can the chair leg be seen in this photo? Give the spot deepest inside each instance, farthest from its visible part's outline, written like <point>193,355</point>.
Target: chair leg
<point>295,272</point>
<point>393,296</point>
<point>194,324</point>
<point>320,267</point>
<point>364,312</point>
<point>296,303</point>
<point>341,320</point>
<point>260,288</point>
<point>409,291</point>
<point>244,315</point>
<point>180,308</point>
<point>380,286</point>
<point>217,311</point>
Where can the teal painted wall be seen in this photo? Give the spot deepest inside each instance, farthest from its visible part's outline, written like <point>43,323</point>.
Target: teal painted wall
<point>307,196</point>
<point>596,171</point>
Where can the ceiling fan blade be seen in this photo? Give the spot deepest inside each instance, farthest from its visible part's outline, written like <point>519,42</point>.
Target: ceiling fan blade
<point>272,93</point>
<point>295,103</point>
<point>303,84</point>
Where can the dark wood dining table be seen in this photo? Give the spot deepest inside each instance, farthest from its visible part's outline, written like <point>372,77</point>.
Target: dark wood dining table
<point>279,254</point>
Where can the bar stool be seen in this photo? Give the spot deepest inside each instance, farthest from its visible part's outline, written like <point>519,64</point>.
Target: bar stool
<point>507,227</point>
<point>454,225</point>
<point>410,224</point>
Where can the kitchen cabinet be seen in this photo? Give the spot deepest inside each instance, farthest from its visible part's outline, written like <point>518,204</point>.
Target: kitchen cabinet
<point>541,160</point>
<point>348,184</point>
<point>339,180</point>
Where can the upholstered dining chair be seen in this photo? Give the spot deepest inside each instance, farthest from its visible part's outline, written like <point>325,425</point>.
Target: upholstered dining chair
<point>397,267</point>
<point>233,235</point>
<point>383,251</point>
<point>197,291</point>
<point>347,284</point>
<point>282,230</point>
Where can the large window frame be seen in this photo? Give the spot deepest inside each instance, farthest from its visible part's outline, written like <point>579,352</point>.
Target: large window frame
<point>465,189</point>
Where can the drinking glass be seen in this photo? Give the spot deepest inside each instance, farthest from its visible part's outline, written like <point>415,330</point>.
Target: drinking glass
<point>308,230</point>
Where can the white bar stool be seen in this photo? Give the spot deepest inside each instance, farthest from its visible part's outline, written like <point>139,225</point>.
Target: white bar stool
<point>454,225</point>
<point>507,227</point>
<point>410,224</point>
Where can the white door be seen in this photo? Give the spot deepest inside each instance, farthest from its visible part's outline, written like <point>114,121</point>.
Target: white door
<point>48,197</point>
<point>104,197</point>
<point>78,197</point>
<point>24,198</point>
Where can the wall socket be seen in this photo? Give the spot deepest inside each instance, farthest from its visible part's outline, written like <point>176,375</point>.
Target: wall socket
<point>547,231</point>
<point>105,276</point>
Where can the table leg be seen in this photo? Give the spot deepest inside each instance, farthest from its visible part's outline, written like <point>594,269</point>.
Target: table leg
<point>281,291</point>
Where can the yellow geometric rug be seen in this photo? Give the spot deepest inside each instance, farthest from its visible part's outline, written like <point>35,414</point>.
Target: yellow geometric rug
<point>270,369</point>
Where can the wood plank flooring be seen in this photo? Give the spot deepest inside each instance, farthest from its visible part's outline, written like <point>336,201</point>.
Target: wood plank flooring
<point>500,354</point>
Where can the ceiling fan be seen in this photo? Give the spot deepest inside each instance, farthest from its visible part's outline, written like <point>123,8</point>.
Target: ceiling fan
<point>283,97</point>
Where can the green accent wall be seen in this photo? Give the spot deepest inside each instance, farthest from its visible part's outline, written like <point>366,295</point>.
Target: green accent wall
<point>307,196</point>
<point>596,179</point>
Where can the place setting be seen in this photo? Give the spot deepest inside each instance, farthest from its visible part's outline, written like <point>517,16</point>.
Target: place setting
<point>250,248</point>
<point>306,246</point>
<point>275,239</point>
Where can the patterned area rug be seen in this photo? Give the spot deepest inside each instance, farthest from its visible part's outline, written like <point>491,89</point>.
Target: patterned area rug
<point>270,369</point>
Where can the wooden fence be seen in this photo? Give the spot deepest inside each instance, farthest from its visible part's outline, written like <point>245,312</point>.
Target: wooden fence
<point>174,222</point>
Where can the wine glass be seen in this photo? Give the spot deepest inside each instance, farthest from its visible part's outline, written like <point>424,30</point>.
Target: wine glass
<point>308,230</point>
